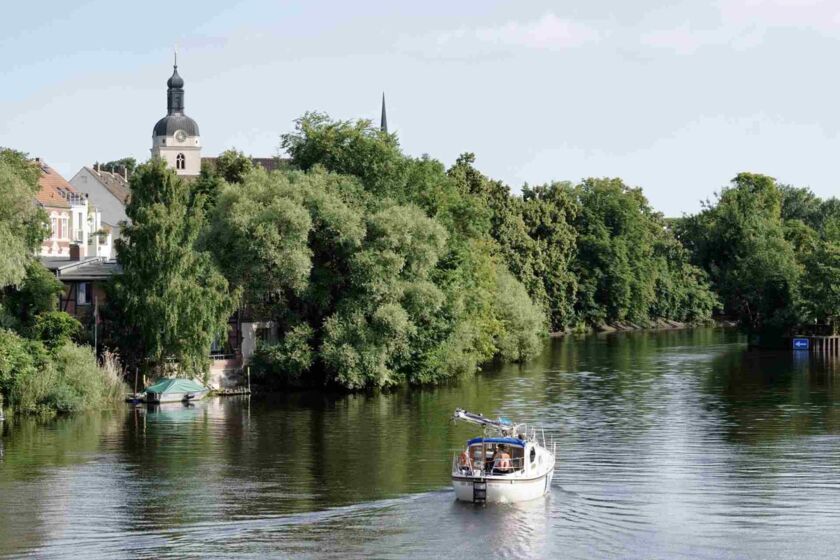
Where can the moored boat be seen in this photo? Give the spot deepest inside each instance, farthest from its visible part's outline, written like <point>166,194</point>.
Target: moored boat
<point>175,390</point>
<point>507,464</point>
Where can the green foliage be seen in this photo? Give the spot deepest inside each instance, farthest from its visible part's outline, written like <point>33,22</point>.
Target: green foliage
<point>821,284</point>
<point>384,290</point>
<point>37,293</point>
<point>66,379</point>
<point>359,149</point>
<point>742,242</point>
<point>55,328</point>
<point>23,224</point>
<point>233,166</point>
<point>116,166</point>
<point>170,291</point>
<point>206,188</point>
<point>285,363</point>
<point>521,320</point>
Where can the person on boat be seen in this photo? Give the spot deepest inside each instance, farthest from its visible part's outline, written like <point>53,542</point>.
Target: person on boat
<point>464,462</point>
<point>501,460</point>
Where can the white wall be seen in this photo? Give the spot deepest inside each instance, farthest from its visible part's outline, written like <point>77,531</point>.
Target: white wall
<point>169,150</point>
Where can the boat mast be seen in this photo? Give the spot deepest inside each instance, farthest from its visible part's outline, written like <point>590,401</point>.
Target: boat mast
<point>505,427</point>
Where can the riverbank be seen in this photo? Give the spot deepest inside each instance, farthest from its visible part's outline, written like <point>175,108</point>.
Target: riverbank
<point>655,325</point>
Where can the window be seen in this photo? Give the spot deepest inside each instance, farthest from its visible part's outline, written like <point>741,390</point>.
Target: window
<point>54,227</point>
<point>180,161</point>
<point>84,293</point>
<point>63,227</point>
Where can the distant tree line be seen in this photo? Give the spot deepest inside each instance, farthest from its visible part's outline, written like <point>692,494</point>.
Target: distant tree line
<point>772,253</point>
<point>380,269</point>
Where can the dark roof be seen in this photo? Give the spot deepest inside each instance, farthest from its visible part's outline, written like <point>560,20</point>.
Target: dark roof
<point>268,163</point>
<point>175,81</point>
<point>114,182</point>
<point>88,268</point>
<point>170,123</point>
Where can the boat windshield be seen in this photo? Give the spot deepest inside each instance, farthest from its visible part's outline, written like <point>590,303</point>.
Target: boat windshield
<point>496,458</point>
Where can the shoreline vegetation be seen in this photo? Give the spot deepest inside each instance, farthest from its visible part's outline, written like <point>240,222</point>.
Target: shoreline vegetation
<point>381,269</point>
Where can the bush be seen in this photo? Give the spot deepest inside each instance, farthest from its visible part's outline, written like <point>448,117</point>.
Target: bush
<point>66,379</point>
<point>283,364</point>
<point>55,328</point>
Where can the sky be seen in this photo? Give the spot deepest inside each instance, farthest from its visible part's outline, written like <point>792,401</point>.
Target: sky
<point>674,97</point>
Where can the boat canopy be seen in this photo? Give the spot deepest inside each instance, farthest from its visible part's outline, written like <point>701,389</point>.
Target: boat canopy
<point>175,386</point>
<point>505,440</point>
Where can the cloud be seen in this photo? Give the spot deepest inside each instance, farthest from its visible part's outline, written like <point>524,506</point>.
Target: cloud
<point>742,24</point>
<point>821,15</point>
<point>549,32</point>
<point>684,39</point>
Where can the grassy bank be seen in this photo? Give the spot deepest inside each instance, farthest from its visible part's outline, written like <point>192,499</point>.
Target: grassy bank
<point>35,378</point>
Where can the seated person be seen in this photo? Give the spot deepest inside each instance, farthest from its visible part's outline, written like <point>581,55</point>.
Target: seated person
<point>501,460</point>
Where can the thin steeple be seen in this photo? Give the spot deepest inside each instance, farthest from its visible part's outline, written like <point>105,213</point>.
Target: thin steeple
<point>383,122</point>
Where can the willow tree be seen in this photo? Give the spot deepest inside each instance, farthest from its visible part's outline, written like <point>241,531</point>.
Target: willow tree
<point>170,292</point>
<point>22,223</point>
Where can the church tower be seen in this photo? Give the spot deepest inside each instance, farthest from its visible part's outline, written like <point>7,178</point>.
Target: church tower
<point>175,137</point>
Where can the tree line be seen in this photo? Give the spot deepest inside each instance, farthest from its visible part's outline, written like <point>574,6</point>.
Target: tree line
<point>380,269</point>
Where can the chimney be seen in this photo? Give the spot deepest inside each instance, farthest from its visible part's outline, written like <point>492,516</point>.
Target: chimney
<point>75,252</point>
<point>125,173</point>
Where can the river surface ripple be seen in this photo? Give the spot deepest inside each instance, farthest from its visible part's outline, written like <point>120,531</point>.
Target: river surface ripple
<point>676,444</point>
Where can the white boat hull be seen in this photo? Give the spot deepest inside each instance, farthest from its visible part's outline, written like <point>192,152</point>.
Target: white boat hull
<point>502,489</point>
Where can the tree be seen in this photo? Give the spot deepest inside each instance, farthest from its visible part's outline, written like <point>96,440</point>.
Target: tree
<point>233,166</point>
<point>740,240</point>
<point>37,293</point>
<point>55,328</point>
<point>169,290</point>
<point>128,164</point>
<point>23,224</point>
<point>365,291</point>
<point>359,149</point>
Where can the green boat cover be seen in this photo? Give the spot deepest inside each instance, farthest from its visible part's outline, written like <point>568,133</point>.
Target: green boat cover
<point>175,386</point>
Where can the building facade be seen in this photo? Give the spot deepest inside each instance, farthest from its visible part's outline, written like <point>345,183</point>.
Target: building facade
<point>73,220</point>
<point>175,137</point>
<point>108,192</point>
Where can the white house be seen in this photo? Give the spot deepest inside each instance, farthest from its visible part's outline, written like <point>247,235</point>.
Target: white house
<point>107,191</point>
<point>73,219</point>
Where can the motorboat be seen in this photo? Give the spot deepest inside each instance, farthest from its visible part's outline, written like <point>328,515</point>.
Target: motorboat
<point>507,464</point>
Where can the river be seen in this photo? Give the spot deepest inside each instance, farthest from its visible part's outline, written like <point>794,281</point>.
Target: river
<point>680,444</point>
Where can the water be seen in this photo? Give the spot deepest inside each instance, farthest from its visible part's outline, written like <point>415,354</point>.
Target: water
<point>671,445</point>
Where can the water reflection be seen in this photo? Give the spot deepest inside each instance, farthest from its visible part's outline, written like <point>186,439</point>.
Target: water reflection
<point>675,444</point>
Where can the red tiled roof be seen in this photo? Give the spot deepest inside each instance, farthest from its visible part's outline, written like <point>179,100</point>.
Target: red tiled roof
<point>54,189</point>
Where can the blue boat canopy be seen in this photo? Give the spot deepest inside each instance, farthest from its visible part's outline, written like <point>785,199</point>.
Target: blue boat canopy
<point>506,440</point>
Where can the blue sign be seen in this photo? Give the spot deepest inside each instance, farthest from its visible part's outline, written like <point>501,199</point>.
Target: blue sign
<point>801,344</point>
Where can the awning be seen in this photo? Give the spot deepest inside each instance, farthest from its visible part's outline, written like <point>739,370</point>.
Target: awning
<point>497,440</point>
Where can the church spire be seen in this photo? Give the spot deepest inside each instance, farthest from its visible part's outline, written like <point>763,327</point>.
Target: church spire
<point>383,122</point>
<point>175,91</point>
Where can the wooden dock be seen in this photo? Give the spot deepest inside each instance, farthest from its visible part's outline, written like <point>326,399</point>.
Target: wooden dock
<point>230,391</point>
<point>826,345</point>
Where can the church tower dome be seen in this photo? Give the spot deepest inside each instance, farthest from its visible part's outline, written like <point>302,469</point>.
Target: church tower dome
<point>175,137</point>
